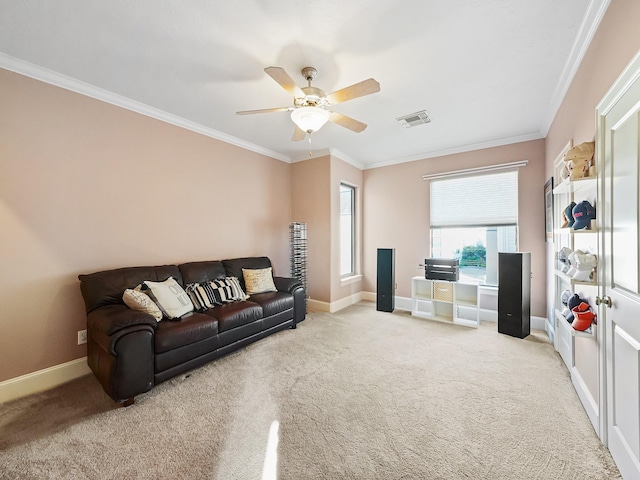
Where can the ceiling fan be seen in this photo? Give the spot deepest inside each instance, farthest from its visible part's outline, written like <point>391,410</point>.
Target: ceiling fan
<point>310,104</point>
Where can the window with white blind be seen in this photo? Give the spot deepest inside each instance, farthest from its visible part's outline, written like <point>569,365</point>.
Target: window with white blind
<point>347,230</point>
<point>473,218</point>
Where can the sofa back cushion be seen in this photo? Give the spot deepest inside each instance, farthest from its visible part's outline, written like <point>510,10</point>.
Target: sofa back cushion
<point>234,266</point>
<point>201,272</point>
<point>107,287</point>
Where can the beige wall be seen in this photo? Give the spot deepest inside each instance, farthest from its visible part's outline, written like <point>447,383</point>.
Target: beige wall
<point>612,48</point>
<point>86,186</point>
<point>311,203</point>
<point>316,200</point>
<point>344,172</point>
<point>396,212</point>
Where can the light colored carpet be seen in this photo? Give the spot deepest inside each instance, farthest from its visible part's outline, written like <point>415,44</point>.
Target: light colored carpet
<point>359,394</point>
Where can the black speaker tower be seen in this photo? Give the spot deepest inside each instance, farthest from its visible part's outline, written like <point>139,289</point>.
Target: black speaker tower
<point>514,294</point>
<point>385,285</point>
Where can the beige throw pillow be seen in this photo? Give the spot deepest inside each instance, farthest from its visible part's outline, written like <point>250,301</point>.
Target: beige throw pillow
<point>169,296</point>
<point>259,280</point>
<point>136,300</point>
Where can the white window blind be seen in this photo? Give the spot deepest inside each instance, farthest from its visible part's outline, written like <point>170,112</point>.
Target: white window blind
<point>347,230</point>
<point>478,200</point>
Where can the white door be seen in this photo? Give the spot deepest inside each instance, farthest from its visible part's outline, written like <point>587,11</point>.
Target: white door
<point>619,296</point>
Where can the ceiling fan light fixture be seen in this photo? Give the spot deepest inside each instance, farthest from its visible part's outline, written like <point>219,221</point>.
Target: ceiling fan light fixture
<point>310,119</point>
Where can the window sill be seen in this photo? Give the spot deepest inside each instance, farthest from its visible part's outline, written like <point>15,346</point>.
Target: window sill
<point>349,280</point>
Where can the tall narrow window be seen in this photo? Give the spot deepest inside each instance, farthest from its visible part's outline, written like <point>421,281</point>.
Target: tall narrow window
<point>472,219</point>
<point>347,230</point>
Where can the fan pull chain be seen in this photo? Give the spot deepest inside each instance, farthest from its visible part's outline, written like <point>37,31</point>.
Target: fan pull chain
<point>310,154</point>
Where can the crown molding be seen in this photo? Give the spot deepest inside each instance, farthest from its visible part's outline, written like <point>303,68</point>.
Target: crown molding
<point>63,81</point>
<point>334,152</point>
<point>595,12</point>
<point>347,159</point>
<point>462,149</point>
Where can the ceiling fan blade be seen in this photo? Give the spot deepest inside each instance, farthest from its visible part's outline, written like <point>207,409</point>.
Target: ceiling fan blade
<point>265,110</point>
<point>298,135</point>
<point>366,87</point>
<point>285,81</point>
<point>347,122</point>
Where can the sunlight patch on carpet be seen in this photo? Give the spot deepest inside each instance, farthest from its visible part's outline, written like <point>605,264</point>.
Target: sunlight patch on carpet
<point>270,468</point>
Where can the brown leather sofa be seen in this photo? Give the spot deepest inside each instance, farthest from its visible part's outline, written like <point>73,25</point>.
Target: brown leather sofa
<point>129,351</point>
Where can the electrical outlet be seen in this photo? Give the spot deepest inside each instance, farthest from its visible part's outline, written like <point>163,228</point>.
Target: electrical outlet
<point>82,337</point>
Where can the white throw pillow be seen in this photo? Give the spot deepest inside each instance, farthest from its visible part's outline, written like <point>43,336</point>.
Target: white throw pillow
<point>169,296</point>
<point>258,280</point>
<point>136,300</point>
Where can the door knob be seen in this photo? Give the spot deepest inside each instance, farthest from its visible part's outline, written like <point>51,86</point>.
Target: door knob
<point>605,300</point>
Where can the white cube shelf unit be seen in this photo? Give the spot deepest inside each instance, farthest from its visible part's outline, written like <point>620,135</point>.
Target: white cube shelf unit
<point>451,302</point>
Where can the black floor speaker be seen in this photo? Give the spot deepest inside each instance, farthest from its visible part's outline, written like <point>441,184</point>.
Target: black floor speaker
<point>514,294</point>
<point>386,282</point>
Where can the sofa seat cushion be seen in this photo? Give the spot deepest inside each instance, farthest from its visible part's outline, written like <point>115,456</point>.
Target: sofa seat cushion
<point>235,314</point>
<point>273,302</point>
<point>191,328</point>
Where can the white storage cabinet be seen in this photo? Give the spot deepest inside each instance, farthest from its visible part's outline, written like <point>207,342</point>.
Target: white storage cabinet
<point>451,302</point>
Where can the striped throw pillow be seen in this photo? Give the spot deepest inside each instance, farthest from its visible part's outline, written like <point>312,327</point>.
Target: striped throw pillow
<point>201,295</point>
<point>227,290</point>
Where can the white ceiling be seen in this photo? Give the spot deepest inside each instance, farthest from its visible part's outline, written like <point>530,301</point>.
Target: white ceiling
<point>488,72</point>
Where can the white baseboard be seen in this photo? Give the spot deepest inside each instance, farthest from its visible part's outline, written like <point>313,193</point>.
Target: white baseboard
<point>345,302</point>
<point>400,303</point>
<point>403,303</point>
<point>588,402</point>
<point>539,323</point>
<point>320,306</point>
<point>43,379</point>
<point>549,328</point>
<point>369,296</point>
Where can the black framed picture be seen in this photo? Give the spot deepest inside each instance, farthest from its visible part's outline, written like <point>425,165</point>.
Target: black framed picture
<point>548,209</point>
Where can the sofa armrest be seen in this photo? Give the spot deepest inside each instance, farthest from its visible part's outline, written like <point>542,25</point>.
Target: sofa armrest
<point>284,284</point>
<point>111,318</point>
<point>295,288</point>
<point>120,350</point>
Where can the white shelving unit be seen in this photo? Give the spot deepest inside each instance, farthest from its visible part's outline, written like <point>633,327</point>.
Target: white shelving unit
<point>449,302</point>
<point>586,240</point>
<point>565,335</point>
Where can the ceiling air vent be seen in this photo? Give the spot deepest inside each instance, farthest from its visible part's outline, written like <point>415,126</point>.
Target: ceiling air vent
<point>414,119</point>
